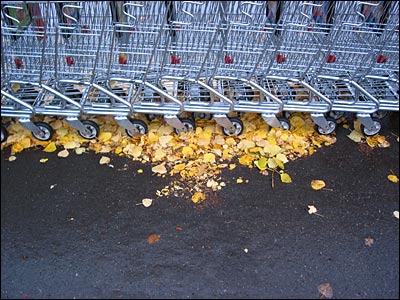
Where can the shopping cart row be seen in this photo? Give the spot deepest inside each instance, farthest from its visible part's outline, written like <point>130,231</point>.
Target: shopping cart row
<point>180,60</point>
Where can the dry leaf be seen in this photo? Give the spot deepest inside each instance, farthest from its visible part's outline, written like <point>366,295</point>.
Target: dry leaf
<point>393,178</point>
<point>368,241</point>
<point>51,147</point>
<point>239,180</point>
<point>317,184</point>
<point>104,160</point>
<point>43,160</point>
<point>286,178</point>
<point>178,228</point>
<point>355,136</point>
<point>154,238</point>
<point>396,214</point>
<point>197,197</point>
<point>140,171</point>
<point>147,202</point>
<point>325,290</point>
<point>312,209</point>
<point>80,150</point>
<point>64,153</point>
<point>160,169</point>
<point>12,158</point>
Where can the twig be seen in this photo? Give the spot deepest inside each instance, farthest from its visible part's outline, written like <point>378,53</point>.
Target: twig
<point>272,182</point>
<point>328,189</point>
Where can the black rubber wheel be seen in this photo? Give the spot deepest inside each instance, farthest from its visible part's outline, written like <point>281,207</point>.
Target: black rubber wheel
<point>331,127</point>
<point>4,134</point>
<point>140,126</point>
<point>188,123</point>
<point>285,123</point>
<point>93,128</point>
<point>47,131</point>
<point>206,116</point>
<point>373,131</point>
<point>238,124</point>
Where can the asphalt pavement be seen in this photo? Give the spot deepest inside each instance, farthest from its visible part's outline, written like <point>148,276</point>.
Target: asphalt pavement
<point>71,228</point>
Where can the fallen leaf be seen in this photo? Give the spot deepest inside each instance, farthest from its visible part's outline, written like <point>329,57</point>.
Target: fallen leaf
<point>396,214</point>
<point>104,160</point>
<point>355,136</point>
<point>312,209</point>
<point>147,202</point>
<point>12,158</point>
<point>246,250</point>
<point>53,186</point>
<point>368,241</point>
<point>393,178</point>
<point>325,290</point>
<point>154,238</point>
<point>160,169</point>
<point>43,160</point>
<point>317,184</point>
<point>178,228</point>
<point>197,197</point>
<point>286,178</point>
<point>50,147</point>
<point>64,153</point>
<point>140,171</point>
<point>80,150</point>
<point>104,136</point>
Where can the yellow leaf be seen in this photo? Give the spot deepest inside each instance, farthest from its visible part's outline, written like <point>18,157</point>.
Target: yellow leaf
<point>164,140</point>
<point>187,151</point>
<point>246,160</point>
<point>393,178</point>
<point>159,154</point>
<point>104,160</point>
<point>62,131</point>
<point>50,147</point>
<point>345,126</point>
<point>80,150</point>
<point>355,136</point>
<point>43,160</point>
<point>209,158</point>
<point>286,178</point>
<point>239,180</point>
<point>26,142</point>
<point>197,197</point>
<point>179,167</point>
<point>17,147</point>
<point>232,166</point>
<point>272,150</point>
<point>154,238</point>
<point>140,171</point>
<point>104,136</point>
<point>160,169</point>
<point>279,163</point>
<point>64,153</point>
<point>317,184</point>
<point>71,145</point>
<point>12,158</point>
<point>282,157</point>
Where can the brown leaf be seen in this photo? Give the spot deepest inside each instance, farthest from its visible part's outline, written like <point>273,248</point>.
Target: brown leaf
<point>179,228</point>
<point>152,239</point>
<point>325,290</point>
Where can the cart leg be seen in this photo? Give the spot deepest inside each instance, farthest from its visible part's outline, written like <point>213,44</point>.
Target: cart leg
<point>271,120</point>
<point>224,121</point>
<point>174,121</point>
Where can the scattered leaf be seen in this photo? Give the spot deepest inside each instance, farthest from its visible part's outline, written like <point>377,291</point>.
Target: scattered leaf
<point>140,171</point>
<point>64,153</point>
<point>197,197</point>
<point>51,147</point>
<point>396,214</point>
<point>393,178</point>
<point>160,169</point>
<point>317,184</point>
<point>355,136</point>
<point>43,160</point>
<point>154,238</point>
<point>325,290</point>
<point>178,228</point>
<point>239,180</point>
<point>53,186</point>
<point>147,202</point>
<point>104,160</point>
<point>12,158</point>
<point>286,178</point>
<point>312,209</point>
<point>368,241</point>
<point>246,250</point>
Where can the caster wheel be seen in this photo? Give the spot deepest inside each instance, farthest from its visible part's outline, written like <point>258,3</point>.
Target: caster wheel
<point>372,131</point>
<point>93,130</point>
<point>188,123</point>
<point>238,124</point>
<point>47,131</point>
<point>139,125</point>
<point>331,127</point>
<point>285,123</point>
<point>4,134</point>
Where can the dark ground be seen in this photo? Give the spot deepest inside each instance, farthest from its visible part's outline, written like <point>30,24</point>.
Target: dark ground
<point>103,251</point>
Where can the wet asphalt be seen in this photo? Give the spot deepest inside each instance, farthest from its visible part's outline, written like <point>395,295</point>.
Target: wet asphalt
<point>86,237</point>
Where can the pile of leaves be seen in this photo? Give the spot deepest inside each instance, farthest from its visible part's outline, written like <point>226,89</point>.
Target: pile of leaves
<point>193,160</point>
